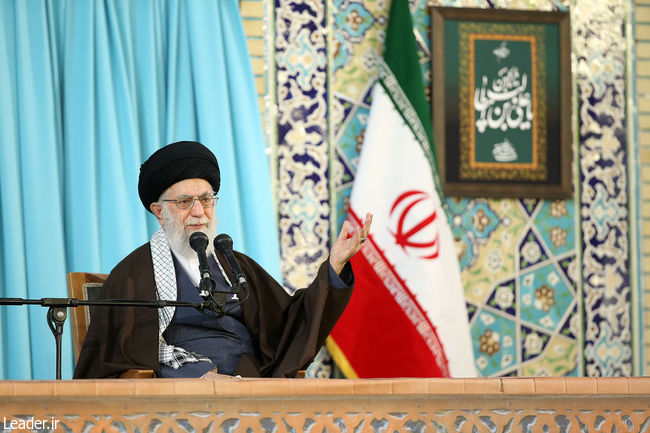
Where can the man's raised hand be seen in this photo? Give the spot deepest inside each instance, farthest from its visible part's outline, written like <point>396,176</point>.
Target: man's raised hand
<point>345,247</point>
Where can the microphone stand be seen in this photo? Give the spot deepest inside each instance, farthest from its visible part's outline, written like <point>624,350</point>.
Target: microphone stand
<point>58,312</point>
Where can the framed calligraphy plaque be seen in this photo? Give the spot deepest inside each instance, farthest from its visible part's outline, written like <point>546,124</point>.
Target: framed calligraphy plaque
<point>501,104</point>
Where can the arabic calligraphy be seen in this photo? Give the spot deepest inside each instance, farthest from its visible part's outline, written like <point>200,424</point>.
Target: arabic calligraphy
<point>504,103</point>
<point>501,52</point>
<point>504,151</point>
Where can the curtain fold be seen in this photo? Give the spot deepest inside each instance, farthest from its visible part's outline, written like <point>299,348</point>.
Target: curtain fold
<point>90,88</point>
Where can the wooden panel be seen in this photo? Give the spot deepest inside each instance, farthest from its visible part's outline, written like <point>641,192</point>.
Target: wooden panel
<point>231,404</point>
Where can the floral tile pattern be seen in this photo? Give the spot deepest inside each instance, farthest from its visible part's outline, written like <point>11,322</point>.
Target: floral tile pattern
<point>485,256</point>
<point>302,146</point>
<point>531,250</point>
<point>495,342</point>
<point>600,44</point>
<point>531,268</point>
<point>545,297</point>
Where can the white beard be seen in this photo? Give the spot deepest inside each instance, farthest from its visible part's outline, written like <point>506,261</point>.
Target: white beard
<point>178,236</point>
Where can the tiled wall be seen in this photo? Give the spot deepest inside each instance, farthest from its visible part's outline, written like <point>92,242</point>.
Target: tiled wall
<point>252,12</point>
<point>323,63</point>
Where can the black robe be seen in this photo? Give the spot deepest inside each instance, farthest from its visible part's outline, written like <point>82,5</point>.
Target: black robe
<point>287,331</point>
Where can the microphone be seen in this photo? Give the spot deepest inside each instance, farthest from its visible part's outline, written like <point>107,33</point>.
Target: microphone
<point>223,244</point>
<point>199,242</point>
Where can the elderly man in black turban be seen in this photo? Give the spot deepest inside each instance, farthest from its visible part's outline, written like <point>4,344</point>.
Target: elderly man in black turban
<point>268,334</point>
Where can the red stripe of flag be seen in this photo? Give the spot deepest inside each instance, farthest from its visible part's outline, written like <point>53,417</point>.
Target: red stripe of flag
<point>375,334</point>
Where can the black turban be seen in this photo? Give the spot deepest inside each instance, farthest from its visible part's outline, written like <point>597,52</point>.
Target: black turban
<point>173,163</point>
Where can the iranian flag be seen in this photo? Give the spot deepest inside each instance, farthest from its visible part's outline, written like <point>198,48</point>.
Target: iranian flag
<point>407,315</point>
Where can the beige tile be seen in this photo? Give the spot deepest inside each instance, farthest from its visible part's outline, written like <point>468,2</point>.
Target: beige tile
<point>611,385</point>
<point>237,387</point>
<point>194,387</point>
<point>518,385</point>
<point>645,197</point>
<point>339,387</point>
<point>75,387</point>
<point>643,105</point>
<point>253,28</point>
<point>644,139</point>
<point>643,84</point>
<point>410,386</point>
<point>644,155</point>
<point>483,386</point>
<point>258,66</point>
<point>251,8</point>
<point>645,173</point>
<point>256,46</point>
<point>308,386</point>
<point>644,121</point>
<point>581,385</point>
<point>646,280</point>
<point>260,86</point>
<point>450,386</point>
<point>643,67</point>
<point>642,31</point>
<point>114,387</point>
<point>642,14</point>
<point>643,50</point>
<point>645,240</point>
<point>639,385</point>
<point>372,386</point>
<point>154,387</point>
<point>34,388</point>
<point>645,261</point>
<point>271,387</point>
<point>6,388</point>
<point>550,385</point>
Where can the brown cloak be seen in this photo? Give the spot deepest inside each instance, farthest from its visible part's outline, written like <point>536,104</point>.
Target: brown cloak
<point>287,330</point>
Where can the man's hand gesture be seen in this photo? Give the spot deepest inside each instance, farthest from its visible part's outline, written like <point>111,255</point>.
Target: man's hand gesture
<point>345,247</point>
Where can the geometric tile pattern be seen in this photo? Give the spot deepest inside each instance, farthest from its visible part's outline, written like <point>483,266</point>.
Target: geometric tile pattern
<point>520,327</point>
<point>546,282</point>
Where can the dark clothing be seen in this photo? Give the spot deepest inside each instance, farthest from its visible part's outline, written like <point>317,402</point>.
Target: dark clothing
<point>223,339</point>
<point>287,331</point>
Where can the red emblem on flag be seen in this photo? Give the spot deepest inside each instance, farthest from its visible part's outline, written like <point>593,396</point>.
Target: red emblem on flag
<point>412,231</point>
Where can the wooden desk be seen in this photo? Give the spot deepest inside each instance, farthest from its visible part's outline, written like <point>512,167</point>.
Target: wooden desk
<point>301,405</point>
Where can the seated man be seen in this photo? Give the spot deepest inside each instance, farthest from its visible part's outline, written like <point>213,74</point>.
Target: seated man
<point>269,334</point>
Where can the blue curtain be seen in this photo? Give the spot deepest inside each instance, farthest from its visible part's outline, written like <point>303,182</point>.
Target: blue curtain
<point>89,89</point>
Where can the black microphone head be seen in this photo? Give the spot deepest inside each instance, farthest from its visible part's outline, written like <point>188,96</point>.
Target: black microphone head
<point>199,241</point>
<point>222,243</point>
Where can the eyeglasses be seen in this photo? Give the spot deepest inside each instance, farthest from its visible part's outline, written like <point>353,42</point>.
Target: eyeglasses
<point>187,201</point>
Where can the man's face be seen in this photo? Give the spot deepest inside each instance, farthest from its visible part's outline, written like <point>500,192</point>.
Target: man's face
<point>179,224</point>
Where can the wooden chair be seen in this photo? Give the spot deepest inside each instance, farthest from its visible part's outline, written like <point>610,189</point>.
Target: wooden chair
<point>87,286</point>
